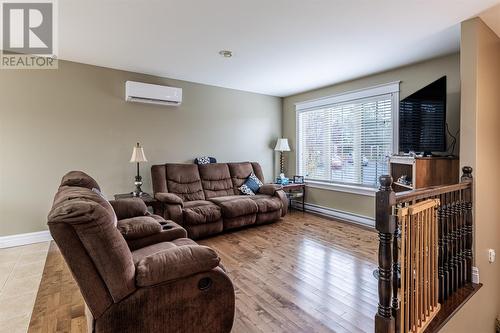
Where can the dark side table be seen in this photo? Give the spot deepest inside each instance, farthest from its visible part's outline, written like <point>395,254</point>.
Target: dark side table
<point>146,197</point>
<point>295,191</point>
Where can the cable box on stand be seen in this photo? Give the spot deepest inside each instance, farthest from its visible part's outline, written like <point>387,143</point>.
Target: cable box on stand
<point>410,173</point>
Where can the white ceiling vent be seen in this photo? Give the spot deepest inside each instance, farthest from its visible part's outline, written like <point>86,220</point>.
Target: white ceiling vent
<point>152,94</point>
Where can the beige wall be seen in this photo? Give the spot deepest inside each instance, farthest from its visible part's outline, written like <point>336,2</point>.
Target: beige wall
<point>480,67</point>
<point>52,121</point>
<point>412,78</point>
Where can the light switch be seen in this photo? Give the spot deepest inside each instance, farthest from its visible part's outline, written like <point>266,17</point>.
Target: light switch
<point>491,255</point>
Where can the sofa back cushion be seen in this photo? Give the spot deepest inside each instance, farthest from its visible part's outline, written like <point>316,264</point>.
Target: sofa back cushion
<point>216,180</point>
<point>83,222</point>
<point>257,170</point>
<point>240,171</point>
<point>159,178</point>
<point>79,179</point>
<point>184,180</point>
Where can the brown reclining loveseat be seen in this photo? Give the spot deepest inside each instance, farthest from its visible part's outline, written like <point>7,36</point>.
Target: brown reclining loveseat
<point>175,286</point>
<point>205,199</point>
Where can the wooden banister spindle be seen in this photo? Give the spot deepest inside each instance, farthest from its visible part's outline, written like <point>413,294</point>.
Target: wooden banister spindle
<point>468,220</point>
<point>385,224</point>
<point>442,250</point>
<point>463,236</point>
<point>460,235</point>
<point>395,276</point>
<point>454,256</point>
<point>446,246</point>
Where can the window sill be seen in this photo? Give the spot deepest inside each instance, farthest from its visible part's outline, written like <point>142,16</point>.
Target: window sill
<point>342,188</point>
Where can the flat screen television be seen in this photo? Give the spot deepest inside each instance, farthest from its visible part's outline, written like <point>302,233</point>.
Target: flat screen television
<point>422,119</point>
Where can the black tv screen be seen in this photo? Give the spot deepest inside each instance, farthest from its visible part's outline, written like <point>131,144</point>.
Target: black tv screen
<point>422,119</point>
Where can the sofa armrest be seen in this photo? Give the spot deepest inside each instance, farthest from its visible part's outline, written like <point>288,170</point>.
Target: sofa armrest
<point>284,200</point>
<point>128,208</point>
<point>175,263</point>
<point>270,189</point>
<point>138,227</point>
<point>169,198</point>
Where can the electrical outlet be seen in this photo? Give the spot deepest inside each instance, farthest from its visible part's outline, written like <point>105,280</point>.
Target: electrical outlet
<point>491,256</point>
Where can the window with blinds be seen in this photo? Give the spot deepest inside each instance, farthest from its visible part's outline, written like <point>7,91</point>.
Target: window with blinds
<point>347,141</point>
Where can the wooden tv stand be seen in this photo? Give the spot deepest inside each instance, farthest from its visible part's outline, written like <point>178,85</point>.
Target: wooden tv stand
<point>423,171</point>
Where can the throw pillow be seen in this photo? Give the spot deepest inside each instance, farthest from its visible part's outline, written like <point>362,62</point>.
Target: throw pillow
<point>246,190</point>
<point>205,160</point>
<point>256,179</point>
<point>253,183</point>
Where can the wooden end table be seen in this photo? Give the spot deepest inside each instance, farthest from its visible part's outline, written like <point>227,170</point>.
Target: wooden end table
<point>294,191</point>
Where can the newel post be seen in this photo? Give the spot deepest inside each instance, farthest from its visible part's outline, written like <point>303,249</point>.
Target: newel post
<point>385,224</point>
<point>467,202</point>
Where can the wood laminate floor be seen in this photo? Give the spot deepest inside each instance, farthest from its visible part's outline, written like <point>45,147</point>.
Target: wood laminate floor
<point>303,274</point>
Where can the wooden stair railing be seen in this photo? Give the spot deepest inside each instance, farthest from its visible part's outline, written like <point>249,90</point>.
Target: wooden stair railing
<point>454,224</point>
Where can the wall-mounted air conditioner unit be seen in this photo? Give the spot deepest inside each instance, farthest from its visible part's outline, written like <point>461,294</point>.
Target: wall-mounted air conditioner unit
<point>152,93</point>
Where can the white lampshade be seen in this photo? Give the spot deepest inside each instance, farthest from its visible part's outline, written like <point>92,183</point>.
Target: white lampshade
<point>138,155</point>
<point>282,145</point>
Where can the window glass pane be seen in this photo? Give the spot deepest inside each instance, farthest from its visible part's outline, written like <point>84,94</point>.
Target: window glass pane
<point>347,143</point>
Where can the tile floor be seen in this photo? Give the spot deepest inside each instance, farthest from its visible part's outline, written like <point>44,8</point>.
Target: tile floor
<point>21,269</point>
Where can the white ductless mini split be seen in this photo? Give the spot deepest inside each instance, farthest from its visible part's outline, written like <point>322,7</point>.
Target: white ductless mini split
<point>152,93</point>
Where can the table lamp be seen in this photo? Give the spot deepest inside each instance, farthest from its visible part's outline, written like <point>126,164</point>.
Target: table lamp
<point>138,157</point>
<point>281,146</point>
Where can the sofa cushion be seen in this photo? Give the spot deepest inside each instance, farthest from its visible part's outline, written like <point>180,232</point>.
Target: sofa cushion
<point>266,203</point>
<point>236,206</point>
<point>141,253</point>
<point>90,220</point>
<point>184,180</point>
<point>79,179</point>
<point>175,263</point>
<point>200,212</point>
<point>270,189</point>
<point>216,180</point>
<point>129,207</point>
<point>239,221</point>
<point>139,227</point>
<point>257,169</point>
<point>196,231</point>
<point>270,216</point>
<point>239,173</point>
<point>218,200</point>
<point>169,198</point>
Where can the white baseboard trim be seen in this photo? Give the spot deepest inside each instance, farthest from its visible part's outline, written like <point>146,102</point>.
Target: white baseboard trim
<point>475,275</point>
<point>337,214</point>
<point>25,239</point>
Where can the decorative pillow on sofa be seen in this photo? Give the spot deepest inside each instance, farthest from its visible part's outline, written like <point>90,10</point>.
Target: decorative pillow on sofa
<point>205,160</point>
<point>246,190</point>
<point>252,183</point>
<point>255,179</point>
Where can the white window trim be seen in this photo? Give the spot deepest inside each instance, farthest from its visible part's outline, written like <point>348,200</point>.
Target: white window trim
<point>382,89</point>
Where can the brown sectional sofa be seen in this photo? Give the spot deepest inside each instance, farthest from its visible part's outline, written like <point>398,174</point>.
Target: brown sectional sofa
<point>205,199</point>
<point>174,286</point>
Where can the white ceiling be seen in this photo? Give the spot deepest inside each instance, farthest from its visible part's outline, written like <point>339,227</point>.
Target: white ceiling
<point>280,47</point>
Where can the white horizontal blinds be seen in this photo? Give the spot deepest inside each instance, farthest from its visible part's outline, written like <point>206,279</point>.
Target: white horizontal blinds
<point>347,142</point>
